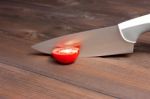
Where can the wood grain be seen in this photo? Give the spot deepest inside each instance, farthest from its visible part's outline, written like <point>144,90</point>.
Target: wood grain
<point>23,23</point>
<point>20,84</point>
<point>110,76</point>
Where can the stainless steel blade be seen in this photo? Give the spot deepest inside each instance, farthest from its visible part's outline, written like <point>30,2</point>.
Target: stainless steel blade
<point>96,42</point>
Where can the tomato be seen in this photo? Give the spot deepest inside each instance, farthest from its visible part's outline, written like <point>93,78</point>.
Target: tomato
<point>65,55</point>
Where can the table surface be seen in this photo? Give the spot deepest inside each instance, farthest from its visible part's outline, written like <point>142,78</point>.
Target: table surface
<point>27,74</point>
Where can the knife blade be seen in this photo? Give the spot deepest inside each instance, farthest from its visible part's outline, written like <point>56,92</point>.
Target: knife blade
<point>118,39</point>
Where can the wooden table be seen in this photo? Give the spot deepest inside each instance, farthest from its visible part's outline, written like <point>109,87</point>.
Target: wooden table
<point>26,74</point>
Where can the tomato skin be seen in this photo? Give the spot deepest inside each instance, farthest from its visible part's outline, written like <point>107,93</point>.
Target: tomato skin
<point>62,56</point>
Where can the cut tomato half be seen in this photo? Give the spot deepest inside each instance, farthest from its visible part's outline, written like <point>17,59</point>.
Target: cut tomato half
<point>65,55</point>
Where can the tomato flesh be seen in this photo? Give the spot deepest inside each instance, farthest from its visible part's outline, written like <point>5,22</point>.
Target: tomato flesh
<point>65,55</point>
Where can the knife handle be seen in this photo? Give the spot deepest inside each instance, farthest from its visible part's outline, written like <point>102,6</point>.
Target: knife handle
<point>130,30</point>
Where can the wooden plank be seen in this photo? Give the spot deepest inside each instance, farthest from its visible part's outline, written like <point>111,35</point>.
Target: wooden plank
<point>24,23</point>
<point>111,7</point>
<point>20,84</point>
<point>52,21</point>
<point>33,22</point>
<point>105,75</point>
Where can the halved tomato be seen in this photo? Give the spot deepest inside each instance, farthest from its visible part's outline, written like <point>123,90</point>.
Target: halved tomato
<point>65,55</point>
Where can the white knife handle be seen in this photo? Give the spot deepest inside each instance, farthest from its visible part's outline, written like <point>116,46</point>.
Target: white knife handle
<point>130,30</point>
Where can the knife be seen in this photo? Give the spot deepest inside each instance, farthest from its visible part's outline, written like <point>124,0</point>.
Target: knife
<point>118,39</point>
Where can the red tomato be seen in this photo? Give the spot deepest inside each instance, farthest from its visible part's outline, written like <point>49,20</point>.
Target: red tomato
<point>65,55</point>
